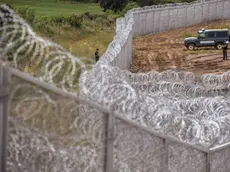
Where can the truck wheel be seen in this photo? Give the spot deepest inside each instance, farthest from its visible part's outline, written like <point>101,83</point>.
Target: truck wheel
<point>190,46</point>
<point>219,46</point>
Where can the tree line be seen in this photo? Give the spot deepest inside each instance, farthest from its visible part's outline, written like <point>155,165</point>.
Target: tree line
<point>119,5</point>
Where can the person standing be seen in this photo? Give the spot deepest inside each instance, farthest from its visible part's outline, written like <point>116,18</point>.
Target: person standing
<point>225,47</point>
<point>97,55</point>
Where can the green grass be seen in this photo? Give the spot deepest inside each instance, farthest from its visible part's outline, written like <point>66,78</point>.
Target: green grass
<point>50,8</point>
<point>79,42</point>
<point>84,46</point>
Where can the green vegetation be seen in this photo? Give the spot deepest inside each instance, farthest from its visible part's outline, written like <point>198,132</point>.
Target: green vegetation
<point>80,26</point>
<point>70,25</point>
<point>54,8</point>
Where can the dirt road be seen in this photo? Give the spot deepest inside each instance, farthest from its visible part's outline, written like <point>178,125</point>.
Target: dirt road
<point>166,51</point>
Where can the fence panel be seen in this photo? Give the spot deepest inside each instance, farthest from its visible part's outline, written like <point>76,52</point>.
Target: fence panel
<point>51,133</point>
<point>143,19</point>
<point>212,11</point>
<point>183,158</point>
<point>220,10</point>
<point>198,14</point>
<point>190,15</point>
<point>173,18</point>
<point>157,20</point>
<point>226,9</point>
<point>136,150</point>
<point>182,18</point>
<point>150,17</point>
<point>4,101</point>
<point>220,160</point>
<point>164,20</point>
<point>205,12</point>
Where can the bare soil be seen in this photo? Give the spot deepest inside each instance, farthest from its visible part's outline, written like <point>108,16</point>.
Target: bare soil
<point>166,50</point>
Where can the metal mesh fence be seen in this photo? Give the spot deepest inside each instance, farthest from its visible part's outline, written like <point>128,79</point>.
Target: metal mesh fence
<point>182,158</point>
<point>136,150</point>
<point>49,133</point>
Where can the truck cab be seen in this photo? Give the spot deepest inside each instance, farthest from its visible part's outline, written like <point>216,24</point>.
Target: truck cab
<point>207,38</point>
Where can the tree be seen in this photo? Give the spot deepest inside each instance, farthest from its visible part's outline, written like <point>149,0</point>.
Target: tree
<point>115,5</point>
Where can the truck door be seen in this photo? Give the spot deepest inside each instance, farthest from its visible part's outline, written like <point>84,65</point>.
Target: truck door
<point>210,38</point>
<point>201,39</point>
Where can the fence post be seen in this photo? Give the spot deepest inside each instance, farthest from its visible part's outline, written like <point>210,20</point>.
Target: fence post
<point>208,163</point>
<point>209,12</point>
<point>186,16</point>
<point>169,27</point>
<point>164,161</point>
<point>159,21</point>
<point>110,139</point>
<point>4,101</point>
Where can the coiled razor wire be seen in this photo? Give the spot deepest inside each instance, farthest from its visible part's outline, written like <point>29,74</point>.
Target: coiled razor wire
<point>195,109</point>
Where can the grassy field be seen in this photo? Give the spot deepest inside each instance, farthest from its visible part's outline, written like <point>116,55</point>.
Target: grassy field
<point>78,41</point>
<point>85,46</point>
<point>50,8</point>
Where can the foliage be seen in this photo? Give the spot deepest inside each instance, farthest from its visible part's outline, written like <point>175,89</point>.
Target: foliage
<point>27,13</point>
<point>128,7</point>
<point>119,5</point>
<point>75,21</point>
<point>54,8</point>
<point>115,5</point>
<point>45,25</point>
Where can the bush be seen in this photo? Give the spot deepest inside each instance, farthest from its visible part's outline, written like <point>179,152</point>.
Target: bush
<point>75,20</point>
<point>128,7</point>
<point>27,13</point>
<point>45,25</point>
<point>59,19</point>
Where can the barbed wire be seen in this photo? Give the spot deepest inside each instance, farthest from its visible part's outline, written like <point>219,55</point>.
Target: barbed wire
<point>191,108</point>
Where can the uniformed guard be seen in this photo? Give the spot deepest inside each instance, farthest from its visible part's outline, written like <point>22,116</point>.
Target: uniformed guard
<point>225,47</point>
<point>97,55</point>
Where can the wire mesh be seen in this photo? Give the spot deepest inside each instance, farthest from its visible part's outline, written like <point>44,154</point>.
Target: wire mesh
<point>219,160</point>
<point>48,132</point>
<point>183,159</point>
<point>136,150</point>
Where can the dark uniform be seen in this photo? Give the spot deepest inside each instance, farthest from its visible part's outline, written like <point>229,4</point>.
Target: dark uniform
<point>225,55</point>
<point>97,55</point>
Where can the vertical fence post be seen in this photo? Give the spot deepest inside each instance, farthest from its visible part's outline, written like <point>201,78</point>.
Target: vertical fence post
<point>202,12</point>
<point>169,27</point>
<point>209,12</point>
<point>159,21</point>
<point>177,16</point>
<point>165,157</point>
<point>154,30</point>
<point>110,139</point>
<point>4,101</point>
<point>208,163</point>
<point>223,12</point>
<point>186,15</point>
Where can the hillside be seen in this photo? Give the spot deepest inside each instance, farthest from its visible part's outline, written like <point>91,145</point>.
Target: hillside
<point>166,51</point>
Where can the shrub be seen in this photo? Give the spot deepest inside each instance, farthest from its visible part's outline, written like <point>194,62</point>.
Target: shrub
<point>27,13</point>
<point>59,20</point>
<point>45,25</point>
<point>75,20</point>
<point>128,7</point>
